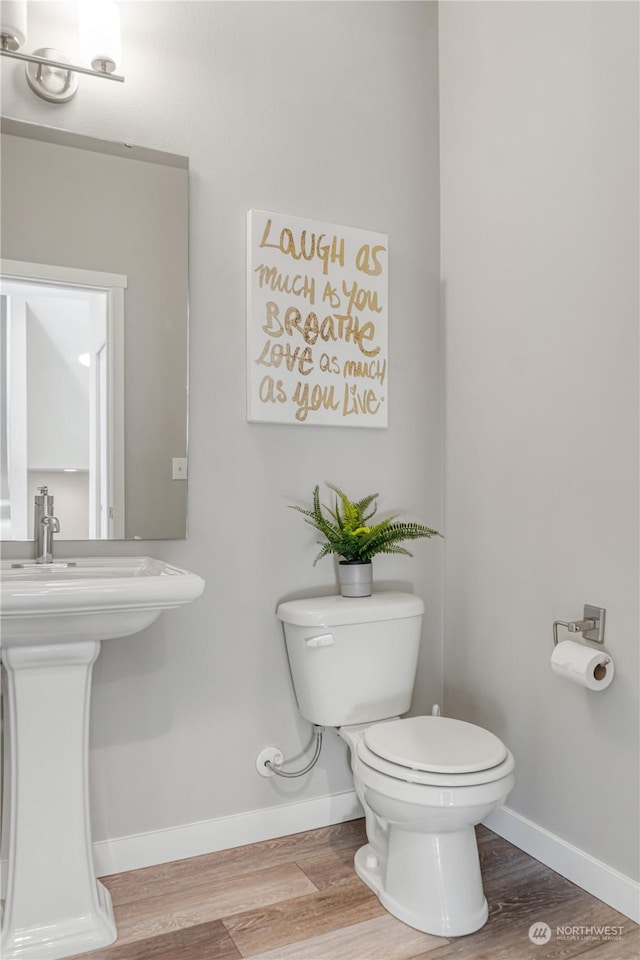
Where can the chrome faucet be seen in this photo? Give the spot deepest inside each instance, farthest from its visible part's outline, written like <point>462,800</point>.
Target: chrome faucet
<point>45,524</point>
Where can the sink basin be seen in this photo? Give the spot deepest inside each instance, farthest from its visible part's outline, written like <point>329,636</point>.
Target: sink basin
<point>54,618</point>
<point>94,598</point>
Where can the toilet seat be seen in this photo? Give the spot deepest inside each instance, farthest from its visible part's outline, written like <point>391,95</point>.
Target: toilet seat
<point>435,744</point>
<point>437,751</point>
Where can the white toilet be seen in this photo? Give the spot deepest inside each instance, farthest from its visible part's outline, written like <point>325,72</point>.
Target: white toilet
<point>424,782</point>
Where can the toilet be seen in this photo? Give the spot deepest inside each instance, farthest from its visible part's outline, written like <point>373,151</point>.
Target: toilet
<point>424,782</point>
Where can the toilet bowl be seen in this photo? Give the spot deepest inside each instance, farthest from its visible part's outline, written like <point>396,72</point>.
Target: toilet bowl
<point>424,782</point>
<point>422,858</point>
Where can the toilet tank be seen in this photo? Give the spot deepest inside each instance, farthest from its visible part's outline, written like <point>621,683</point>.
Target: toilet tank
<point>353,660</point>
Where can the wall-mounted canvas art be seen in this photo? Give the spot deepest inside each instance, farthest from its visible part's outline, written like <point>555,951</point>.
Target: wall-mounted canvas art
<point>317,347</point>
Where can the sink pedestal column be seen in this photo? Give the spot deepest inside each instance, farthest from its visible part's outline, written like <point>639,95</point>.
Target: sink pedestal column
<point>54,905</point>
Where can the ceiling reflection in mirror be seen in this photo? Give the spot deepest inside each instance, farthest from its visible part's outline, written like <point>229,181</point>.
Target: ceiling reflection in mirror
<point>93,335</point>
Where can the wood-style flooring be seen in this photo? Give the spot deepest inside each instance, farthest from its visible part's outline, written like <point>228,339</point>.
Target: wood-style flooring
<point>298,898</point>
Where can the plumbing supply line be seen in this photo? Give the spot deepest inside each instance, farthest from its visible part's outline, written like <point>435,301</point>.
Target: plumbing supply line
<point>300,773</point>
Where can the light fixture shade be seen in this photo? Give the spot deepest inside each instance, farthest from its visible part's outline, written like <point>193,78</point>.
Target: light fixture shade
<point>99,26</point>
<point>13,23</point>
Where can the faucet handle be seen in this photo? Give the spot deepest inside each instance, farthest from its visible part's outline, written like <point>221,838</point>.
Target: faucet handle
<point>42,491</point>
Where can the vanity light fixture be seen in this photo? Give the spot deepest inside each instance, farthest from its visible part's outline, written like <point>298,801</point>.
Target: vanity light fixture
<point>49,73</point>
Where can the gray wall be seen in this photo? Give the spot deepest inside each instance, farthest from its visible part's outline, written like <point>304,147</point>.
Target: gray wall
<point>539,141</point>
<point>330,111</point>
<point>321,110</point>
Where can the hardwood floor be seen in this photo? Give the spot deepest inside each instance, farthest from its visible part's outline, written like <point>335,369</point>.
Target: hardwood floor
<point>298,898</point>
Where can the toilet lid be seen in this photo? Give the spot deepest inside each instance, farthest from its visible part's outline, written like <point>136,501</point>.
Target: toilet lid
<point>435,744</point>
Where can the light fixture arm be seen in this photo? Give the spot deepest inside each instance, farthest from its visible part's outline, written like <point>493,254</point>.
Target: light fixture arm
<point>57,64</point>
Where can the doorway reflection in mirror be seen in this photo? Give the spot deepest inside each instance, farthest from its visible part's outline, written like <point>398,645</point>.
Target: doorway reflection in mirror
<point>61,380</point>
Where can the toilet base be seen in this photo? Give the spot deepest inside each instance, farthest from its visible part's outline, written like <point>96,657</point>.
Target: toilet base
<point>413,884</point>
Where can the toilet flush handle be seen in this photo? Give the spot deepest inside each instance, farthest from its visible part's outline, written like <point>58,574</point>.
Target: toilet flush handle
<point>323,640</point>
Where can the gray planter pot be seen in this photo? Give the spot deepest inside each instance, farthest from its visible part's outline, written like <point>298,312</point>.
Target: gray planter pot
<point>356,578</point>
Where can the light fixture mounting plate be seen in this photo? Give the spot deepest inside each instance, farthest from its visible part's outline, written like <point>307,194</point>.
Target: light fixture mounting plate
<point>51,83</point>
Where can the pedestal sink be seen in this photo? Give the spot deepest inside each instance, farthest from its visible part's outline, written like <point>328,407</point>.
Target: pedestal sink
<point>54,617</point>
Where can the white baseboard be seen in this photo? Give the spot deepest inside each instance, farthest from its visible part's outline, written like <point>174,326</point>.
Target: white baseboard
<point>193,839</point>
<point>597,878</point>
<point>207,836</point>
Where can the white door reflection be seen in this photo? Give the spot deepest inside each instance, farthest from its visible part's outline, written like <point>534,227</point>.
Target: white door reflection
<point>62,424</point>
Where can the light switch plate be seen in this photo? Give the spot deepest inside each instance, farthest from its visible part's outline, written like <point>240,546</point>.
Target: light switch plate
<point>179,465</point>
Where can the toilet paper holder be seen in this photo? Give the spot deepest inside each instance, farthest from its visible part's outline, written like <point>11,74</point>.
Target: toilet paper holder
<point>591,626</point>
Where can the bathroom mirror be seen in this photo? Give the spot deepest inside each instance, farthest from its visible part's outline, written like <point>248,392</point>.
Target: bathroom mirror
<point>93,335</point>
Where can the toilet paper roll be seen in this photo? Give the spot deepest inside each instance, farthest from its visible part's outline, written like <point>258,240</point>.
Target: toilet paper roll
<point>582,664</point>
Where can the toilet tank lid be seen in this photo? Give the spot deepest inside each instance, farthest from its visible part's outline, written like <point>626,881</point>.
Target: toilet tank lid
<point>337,611</point>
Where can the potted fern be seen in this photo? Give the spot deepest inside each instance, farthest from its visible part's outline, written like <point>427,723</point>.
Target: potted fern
<point>348,534</point>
